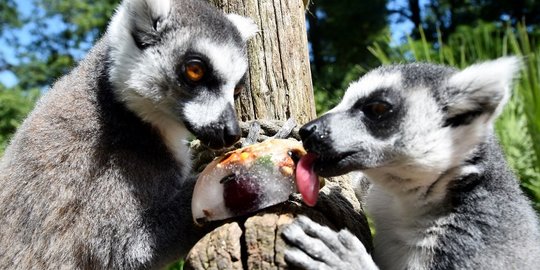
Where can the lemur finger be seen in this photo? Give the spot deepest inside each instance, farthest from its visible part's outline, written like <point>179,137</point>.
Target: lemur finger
<point>358,255</point>
<point>350,241</point>
<point>298,258</point>
<point>314,247</point>
<point>327,235</point>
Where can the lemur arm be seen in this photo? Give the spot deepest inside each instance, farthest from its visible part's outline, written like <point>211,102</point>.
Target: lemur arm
<point>318,247</point>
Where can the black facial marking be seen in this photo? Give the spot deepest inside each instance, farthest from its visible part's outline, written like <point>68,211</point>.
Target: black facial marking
<point>211,80</point>
<point>462,119</point>
<point>377,110</point>
<point>381,112</point>
<point>144,39</point>
<point>141,45</point>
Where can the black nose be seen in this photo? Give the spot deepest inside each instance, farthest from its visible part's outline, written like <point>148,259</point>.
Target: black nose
<point>220,135</point>
<point>223,132</point>
<point>231,133</point>
<point>308,129</point>
<point>311,135</point>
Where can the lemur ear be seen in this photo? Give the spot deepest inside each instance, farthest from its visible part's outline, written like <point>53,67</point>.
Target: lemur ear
<point>481,89</point>
<point>146,17</point>
<point>245,26</point>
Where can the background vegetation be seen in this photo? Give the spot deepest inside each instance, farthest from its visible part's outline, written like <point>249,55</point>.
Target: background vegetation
<point>42,39</point>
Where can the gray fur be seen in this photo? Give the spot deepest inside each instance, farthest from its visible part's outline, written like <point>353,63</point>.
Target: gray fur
<point>89,182</point>
<point>442,194</point>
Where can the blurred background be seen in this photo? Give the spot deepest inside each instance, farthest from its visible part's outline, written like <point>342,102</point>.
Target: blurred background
<point>42,39</point>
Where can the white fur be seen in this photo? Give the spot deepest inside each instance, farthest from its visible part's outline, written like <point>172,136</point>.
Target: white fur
<point>132,70</point>
<point>485,81</point>
<point>205,110</point>
<point>367,84</point>
<point>246,26</point>
<point>125,53</point>
<point>398,240</point>
<point>428,149</point>
<point>176,139</point>
<point>431,151</point>
<point>133,90</point>
<point>363,87</point>
<point>408,199</point>
<point>411,186</point>
<point>227,61</point>
<point>403,195</point>
<point>160,8</point>
<point>402,225</point>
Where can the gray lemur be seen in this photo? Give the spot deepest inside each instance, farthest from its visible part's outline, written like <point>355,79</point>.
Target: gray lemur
<point>97,176</point>
<point>442,195</point>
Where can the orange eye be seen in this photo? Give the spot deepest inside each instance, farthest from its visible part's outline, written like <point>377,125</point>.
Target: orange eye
<point>194,70</point>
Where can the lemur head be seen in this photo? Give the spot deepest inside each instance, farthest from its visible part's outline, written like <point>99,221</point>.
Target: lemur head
<point>180,62</point>
<point>408,120</point>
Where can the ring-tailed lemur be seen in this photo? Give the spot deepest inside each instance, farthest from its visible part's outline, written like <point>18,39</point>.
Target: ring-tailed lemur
<point>442,195</point>
<point>97,175</point>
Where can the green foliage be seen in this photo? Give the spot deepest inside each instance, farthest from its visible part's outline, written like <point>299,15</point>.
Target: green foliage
<point>51,51</point>
<point>90,18</point>
<point>518,127</point>
<point>8,16</point>
<point>14,106</point>
<point>339,33</point>
<point>329,90</point>
<point>179,265</point>
<point>60,33</point>
<point>441,18</point>
<point>39,73</point>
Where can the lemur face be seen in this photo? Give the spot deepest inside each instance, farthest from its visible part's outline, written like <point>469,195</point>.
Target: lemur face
<point>169,62</point>
<point>409,119</point>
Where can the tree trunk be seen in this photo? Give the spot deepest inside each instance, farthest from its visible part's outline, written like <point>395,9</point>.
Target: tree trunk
<point>279,72</point>
<point>414,7</point>
<point>279,88</point>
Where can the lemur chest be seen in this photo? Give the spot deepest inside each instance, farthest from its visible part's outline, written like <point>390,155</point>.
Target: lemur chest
<point>400,249</point>
<point>403,240</point>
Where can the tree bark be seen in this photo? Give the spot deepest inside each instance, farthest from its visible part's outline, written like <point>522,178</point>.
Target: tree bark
<point>414,7</point>
<point>279,73</point>
<point>279,88</point>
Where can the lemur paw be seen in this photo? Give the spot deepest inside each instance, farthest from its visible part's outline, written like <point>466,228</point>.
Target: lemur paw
<point>318,247</point>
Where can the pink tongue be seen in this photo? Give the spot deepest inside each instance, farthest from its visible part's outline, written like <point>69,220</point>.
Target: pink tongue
<point>306,179</point>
